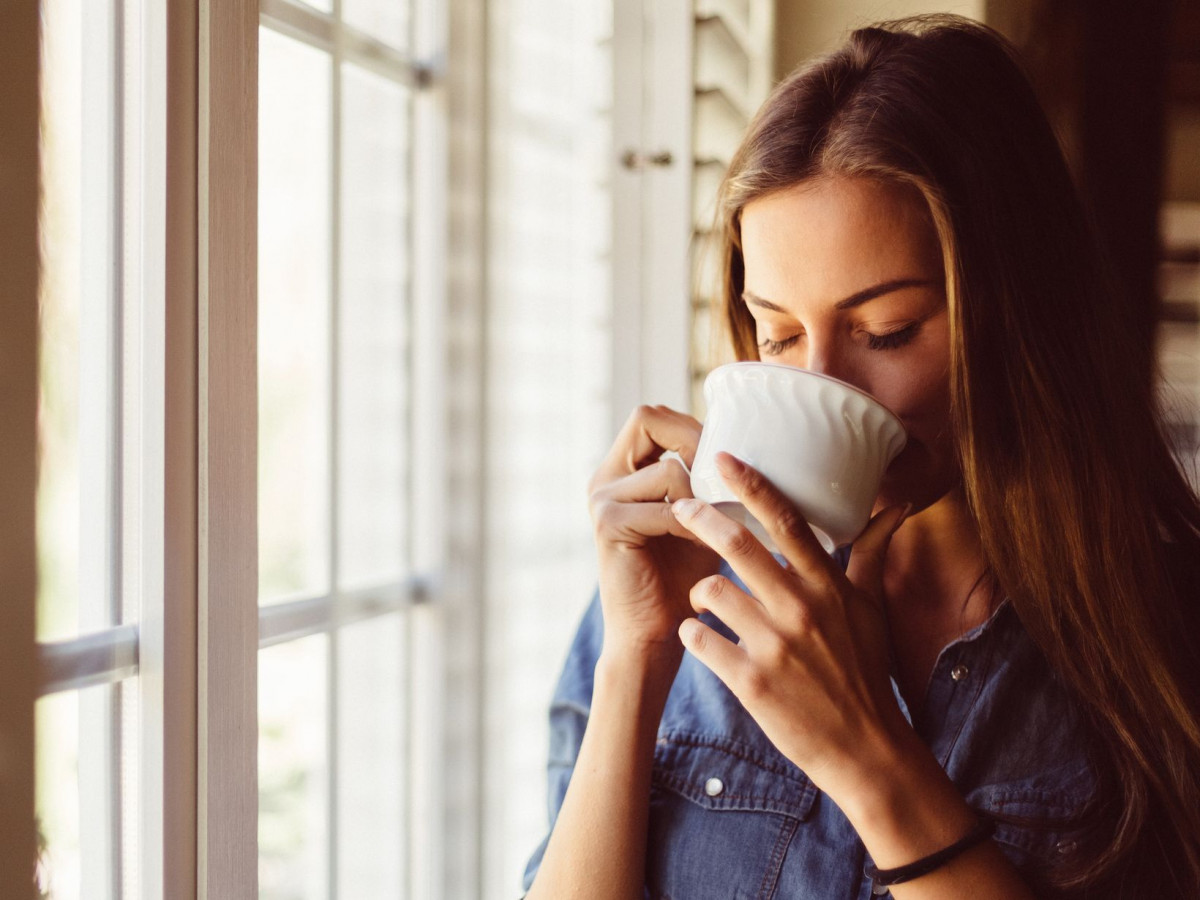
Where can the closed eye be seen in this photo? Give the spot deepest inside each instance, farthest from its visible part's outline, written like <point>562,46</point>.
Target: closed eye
<point>890,341</point>
<point>773,348</point>
<point>893,339</point>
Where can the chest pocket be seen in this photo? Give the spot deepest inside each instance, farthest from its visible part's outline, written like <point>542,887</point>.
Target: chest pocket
<point>722,816</point>
<point>725,774</point>
<point>1047,838</point>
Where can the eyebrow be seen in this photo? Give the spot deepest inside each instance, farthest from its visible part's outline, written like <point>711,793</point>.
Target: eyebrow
<point>855,299</point>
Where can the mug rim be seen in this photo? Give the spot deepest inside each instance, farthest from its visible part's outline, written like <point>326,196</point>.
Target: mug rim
<point>757,363</point>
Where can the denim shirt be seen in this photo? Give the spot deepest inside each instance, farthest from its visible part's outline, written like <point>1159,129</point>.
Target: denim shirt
<point>732,817</point>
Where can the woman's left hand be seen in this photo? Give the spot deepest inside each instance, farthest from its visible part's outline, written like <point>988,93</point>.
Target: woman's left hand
<point>811,663</point>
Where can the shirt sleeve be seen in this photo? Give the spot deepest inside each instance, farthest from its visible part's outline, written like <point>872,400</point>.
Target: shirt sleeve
<point>569,709</point>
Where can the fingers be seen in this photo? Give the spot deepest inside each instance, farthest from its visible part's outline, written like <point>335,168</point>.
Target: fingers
<point>714,650</point>
<point>865,569</point>
<point>752,562</point>
<point>646,435</point>
<point>799,546</point>
<point>780,517</point>
<point>665,478</point>
<point>631,523</point>
<point>634,507</point>
<point>729,603</point>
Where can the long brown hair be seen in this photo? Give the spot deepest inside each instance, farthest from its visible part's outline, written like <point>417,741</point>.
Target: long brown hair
<point>1080,504</point>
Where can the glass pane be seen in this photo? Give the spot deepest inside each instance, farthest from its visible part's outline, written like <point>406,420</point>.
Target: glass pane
<point>129,775</point>
<point>293,771</point>
<point>373,331</point>
<point>372,758</point>
<point>78,341</point>
<point>293,317</point>
<point>80,774</point>
<point>384,20</point>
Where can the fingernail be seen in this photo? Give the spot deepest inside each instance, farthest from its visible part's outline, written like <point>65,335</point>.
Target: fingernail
<point>685,508</point>
<point>729,465</point>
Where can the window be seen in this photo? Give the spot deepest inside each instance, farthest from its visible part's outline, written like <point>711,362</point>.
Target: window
<point>99,505</point>
<point>312,528</point>
<point>141,749</point>
<point>343,365</point>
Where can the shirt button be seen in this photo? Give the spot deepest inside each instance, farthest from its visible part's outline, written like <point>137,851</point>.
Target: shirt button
<point>959,672</point>
<point>714,786</point>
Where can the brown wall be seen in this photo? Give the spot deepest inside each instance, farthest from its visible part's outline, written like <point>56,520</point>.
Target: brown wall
<point>805,28</point>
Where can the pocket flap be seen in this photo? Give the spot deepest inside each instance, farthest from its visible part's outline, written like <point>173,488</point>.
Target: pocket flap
<point>1051,829</point>
<point>722,773</point>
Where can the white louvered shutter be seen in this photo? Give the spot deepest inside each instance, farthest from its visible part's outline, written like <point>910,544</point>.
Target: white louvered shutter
<point>733,63</point>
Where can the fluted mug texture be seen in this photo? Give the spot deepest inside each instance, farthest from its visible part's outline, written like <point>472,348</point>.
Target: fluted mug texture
<point>823,442</point>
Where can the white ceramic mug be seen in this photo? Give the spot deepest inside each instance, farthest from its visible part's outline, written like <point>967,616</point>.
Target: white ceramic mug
<point>824,443</point>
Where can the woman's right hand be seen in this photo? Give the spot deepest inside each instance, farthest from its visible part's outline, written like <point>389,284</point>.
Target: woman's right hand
<point>648,561</point>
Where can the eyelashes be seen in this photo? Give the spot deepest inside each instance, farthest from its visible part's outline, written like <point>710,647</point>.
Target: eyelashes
<point>774,348</point>
<point>893,339</point>
<point>890,341</point>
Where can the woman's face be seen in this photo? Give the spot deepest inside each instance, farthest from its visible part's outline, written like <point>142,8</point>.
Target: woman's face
<point>844,277</point>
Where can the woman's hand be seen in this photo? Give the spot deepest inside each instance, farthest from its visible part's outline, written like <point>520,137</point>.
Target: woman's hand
<point>648,560</point>
<point>811,663</point>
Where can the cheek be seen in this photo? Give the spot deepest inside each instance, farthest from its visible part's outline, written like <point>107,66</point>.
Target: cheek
<point>919,396</point>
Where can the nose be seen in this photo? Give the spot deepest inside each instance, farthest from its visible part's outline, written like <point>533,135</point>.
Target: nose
<point>825,358</point>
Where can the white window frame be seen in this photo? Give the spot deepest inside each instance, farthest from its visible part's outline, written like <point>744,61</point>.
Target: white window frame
<point>136,510</point>
<point>194,649</point>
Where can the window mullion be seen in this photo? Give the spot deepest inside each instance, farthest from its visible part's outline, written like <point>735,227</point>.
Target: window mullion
<point>326,31</point>
<point>101,657</point>
<point>227,839</point>
<point>104,84</point>
<point>168,627</point>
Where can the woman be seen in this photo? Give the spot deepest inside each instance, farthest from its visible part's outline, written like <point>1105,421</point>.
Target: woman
<point>996,700</point>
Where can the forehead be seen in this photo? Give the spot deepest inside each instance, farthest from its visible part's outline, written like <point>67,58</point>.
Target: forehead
<point>832,236</point>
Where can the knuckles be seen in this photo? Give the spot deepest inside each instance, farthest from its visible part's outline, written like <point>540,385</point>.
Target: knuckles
<point>605,513</point>
<point>740,542</point>
<point>707,590</point>
<point>754,684</point>
<point>759,489</point>
<point>788,521</point>
<point>646,413</point>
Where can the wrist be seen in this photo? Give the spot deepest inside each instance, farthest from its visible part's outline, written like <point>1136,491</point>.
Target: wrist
<point>633,685</point>
<point>642,659</point>
<point>905,806</point>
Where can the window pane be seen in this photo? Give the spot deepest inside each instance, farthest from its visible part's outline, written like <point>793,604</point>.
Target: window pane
<point>78,357</point>
<point>293,317</point>
<point>386,20</point>
<point>373,331</point>
<point>80,774</point>
<point>372,758</point>
<point>293,771</point>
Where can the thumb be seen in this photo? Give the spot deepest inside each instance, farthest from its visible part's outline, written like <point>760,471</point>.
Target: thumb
<point>865,569</point>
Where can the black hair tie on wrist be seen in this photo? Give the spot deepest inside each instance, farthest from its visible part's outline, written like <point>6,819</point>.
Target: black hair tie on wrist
<point>881,879</point>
